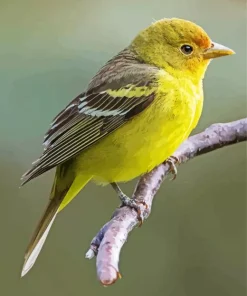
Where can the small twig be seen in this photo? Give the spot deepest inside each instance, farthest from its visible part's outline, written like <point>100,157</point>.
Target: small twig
<point>108,242</point>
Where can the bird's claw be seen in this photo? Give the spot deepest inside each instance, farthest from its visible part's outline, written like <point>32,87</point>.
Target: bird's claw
<point>172,161</point>
<point>134,204</point>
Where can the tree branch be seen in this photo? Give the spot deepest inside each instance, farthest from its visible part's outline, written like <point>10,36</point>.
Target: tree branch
<point>108,242</point>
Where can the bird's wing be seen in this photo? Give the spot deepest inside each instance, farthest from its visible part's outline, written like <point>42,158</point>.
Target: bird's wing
<point>94,114</point>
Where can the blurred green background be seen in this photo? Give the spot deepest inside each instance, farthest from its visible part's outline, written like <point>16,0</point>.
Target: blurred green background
<point>194,243</point>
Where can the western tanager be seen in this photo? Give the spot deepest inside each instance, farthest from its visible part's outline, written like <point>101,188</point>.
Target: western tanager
<point>133,115</point>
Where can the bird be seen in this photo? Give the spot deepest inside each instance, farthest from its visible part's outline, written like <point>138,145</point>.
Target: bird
<point>133,115</point>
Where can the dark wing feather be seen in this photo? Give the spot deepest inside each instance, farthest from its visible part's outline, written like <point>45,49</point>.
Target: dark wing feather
<point>94,114</point>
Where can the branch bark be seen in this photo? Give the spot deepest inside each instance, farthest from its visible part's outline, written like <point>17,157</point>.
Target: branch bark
<point>108,242</point>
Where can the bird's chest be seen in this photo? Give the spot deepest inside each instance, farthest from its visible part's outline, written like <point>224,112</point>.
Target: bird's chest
<point>166,124</point>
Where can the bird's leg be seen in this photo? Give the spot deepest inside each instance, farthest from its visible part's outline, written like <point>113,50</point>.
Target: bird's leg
<point>172,161</point>
<point>130,202</point>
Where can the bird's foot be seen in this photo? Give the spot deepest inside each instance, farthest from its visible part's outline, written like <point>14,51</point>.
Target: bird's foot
<point>172,161</point>
<point>132,203</point>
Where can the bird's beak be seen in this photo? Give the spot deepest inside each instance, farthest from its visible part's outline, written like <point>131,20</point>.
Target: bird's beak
<point>216,51</point>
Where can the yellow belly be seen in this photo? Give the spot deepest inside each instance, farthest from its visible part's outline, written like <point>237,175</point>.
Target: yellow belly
<point>144,142</point>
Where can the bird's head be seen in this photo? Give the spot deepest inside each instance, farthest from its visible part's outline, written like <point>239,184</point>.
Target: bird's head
<point>178,46</point>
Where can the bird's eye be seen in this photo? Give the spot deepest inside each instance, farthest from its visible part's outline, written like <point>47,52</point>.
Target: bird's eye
<point>186,49</point>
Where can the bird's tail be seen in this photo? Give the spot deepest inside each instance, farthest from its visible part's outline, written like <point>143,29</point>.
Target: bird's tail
<point>65,187</point>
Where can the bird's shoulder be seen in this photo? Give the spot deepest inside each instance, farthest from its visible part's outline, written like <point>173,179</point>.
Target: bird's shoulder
<point>122,70</point>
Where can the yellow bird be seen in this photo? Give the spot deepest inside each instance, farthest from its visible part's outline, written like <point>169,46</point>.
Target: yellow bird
<point>133,115</point>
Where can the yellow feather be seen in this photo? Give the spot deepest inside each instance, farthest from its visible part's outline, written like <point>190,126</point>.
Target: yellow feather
<point>131,91</point>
